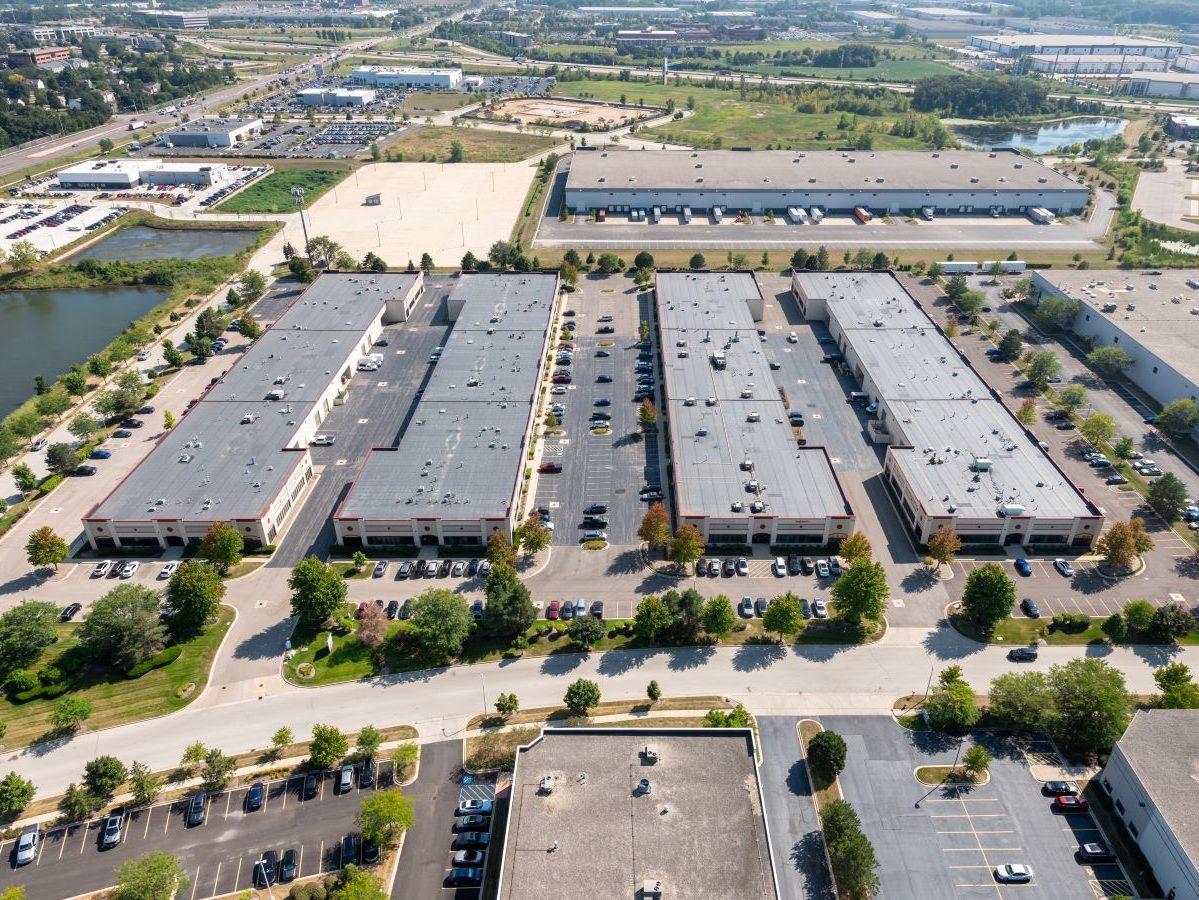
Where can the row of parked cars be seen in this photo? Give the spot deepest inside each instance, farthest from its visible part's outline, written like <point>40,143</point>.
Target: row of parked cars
<point>241,181</point>
<point>61,217</point>
<point>472,837</point>
<point>1067,800</point>
<point>748,607</point>
<point>432,568</point>
<point>781,567</point>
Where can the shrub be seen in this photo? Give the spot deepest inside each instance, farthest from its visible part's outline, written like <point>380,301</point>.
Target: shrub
<point>1115,629</point>
<point>157,661</point>
<point>21,680</point>
<point>49,675</point>
<point>1071,622</point>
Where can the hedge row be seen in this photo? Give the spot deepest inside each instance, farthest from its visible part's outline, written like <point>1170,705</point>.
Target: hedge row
<point>157,661</point>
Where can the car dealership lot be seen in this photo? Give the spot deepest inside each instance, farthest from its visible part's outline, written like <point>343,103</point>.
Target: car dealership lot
<point>945,842</point>
<point>600,468</point>
<point>218,856</point>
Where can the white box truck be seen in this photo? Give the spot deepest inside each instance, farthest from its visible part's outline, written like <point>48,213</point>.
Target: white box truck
<point>797,215</point>
<point>817,214</point>
<point>686,215</point>
<point>1040,215</point>
<point>717,214</point>
<point>927,212</point>
<point>657,214</point>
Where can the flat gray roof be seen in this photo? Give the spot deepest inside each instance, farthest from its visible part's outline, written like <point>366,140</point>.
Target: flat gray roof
<point>1074,40</point>
<point>211,126</point>
<point>708,312</point>
<point>464,448</point>
<point>236,468</point>
<point>821,170</point>
<point>1168,329</point>
<point>1162,747</point>
<point>700,829</point>
<point>939,407</point>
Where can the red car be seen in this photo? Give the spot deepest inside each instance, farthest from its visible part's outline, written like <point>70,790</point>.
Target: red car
<point>552,611</point>
<point>361,611</point>
<point>1068,803</point>
<point>550,467</point>
<point>561,379</point>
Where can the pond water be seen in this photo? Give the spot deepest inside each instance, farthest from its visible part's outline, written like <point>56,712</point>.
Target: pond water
<point>1039,137</point>
<point>47,332</point>
<point>139,242</point>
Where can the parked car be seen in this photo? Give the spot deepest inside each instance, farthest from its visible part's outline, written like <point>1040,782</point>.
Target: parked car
<point>553,611</point>
<point>1022,654</point>
<point>1060,788</point>
<point>819,610</point>
<point>1064,567</point>
<point>760,606</point>
<point>122,433</point>
<point>349,850</point>
<point>84,471</point>
<point>196,809</point>
<point>393,608</point>
<point>747,607</point>
<point>100,454</point>
<point>70,611</point>
<point>742,565</point>
<point>476,610</point>
<point>405,569</point>
<point>472,568</point>
<point>474,806</point>
<point>27,846</point>
<point>458,569</point>
<point>713,568</point>
<point>1030,608</point>
<point>266,870</point>
<point>1095,851</point>
<point>1013,873</point>
<point>444,569</point>
<point>380,568</point>
<point>255,796</point>
<point>549,467</point>
<point>461,877</point>
<point>471,839</point>
<point>469,857</point>
<point>834,567</point>
<point>473,822</point>
<point>289,865</point>
<point>345,779</point>
<point>1070,803</point>
<point>1024,567</point>
<point>822,570</point>
<point>312,785</point>
<point>1116,478</point>
<point>102,568</point>
<point>110,836</point>
<point>566,610</point>
<point>130,569</point>
<point>371,853</point>
<point>366,775</point>
<point>597,609</point>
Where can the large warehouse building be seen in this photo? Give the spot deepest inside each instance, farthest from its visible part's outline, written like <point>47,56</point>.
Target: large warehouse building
<point>1180,85</point>
<point>739,473</point>
<point>891,181</point>
<point>633,813</point>
<point>1152,778</point>
<point>457,473</point>
<point>1072,44</point>
<point>1152,318</point>
<point>212,132</point>
<point>956,456</point>
<point>124,174</point>
<point>402,77</point>
<point>1096,64</point>
<point>240,455</point>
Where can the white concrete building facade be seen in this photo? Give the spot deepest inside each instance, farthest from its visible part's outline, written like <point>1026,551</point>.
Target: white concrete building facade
<point>407,77</point>
<point>1072,44</point>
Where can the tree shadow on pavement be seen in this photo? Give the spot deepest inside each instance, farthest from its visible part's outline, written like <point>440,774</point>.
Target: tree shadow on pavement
<point>919,580</point>
<point>1156,655</point>
<point>617,662</point>
<point>947,643</point>
<point>684,658</point>
<point>1187,566</point>
<point>820,652</point>
<point>267,643</point>
<point>626,562</point>
<point>561,663</point>
<point>49,742</point>
<point>932,743</point>
<point>26,582</point>
<point>807,857</point>
<point>752,657</point>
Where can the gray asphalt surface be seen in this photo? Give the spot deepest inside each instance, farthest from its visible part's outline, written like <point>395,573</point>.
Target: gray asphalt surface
<point>601,468</point>
<point>948,845</point>
<point>218,857</point>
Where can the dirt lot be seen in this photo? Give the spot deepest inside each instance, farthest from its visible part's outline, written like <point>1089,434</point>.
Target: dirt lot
<point>443,210</point>
<point>566,113</point>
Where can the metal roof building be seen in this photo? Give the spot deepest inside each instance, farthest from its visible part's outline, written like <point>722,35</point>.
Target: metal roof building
<point>212,132</point>
<point>456,475</point>
<point>895,181</point>
<point>240,455</point>
<point>1152,778</point>
<point>1023,44</point>
<point>406,77</point>
<point>739,474</point>
<point>634,812</point>
<point>957,456</point>
<point>122,174</point>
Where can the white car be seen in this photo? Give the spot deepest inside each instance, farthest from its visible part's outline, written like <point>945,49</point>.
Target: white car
<point>130,569</point>
<point>102,568</point>
<point>27,846</point>
<point>1064,567</point>
<point>742,566</point>
<point>558,389</point>
<point>169,569</point>
<point>822,569</point>
<point>143,355</point>
<point>1013,873</point>
<point>323,440</point>
<point>819,610</point>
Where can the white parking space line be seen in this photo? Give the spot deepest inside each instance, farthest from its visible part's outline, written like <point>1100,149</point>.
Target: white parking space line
<point>83,839</point>
<point>300,863</point>
<point>149,816</point>
<point>195,882</point>
<point>228,800</point>
<point>320,862</point>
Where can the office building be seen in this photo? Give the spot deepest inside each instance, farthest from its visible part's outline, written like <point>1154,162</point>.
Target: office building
<point>886,181</point>
<point>740,474</point>
<point>65,32</point>
<point>37,56</point>
<point>956,456</point>
<point>125,174</point>
<point>335,96</point>
<point>1152,777</point>
<point>401,77</point>
<point>212,132</point>
<point>646,813</point>
<point>240,455</point>
<point>457,472</point>
<point>177,21</point>
<point>1152,318</point>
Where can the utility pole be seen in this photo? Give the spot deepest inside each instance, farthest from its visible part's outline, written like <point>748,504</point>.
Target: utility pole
<point>297,194</point>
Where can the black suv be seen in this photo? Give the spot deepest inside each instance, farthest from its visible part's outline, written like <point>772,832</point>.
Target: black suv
<point>195,810</point>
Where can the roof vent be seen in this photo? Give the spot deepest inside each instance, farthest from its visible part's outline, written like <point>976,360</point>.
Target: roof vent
<point>953,165</point>
<point>1041,179</point>
<point>651,890</point>
<point>644,787</point>
<point>650,754</point>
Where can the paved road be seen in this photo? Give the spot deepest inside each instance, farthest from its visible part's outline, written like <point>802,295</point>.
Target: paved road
<point>434,795</point>
<point>829,678</point>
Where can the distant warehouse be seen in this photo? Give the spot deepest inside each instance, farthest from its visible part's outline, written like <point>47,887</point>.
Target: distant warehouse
<point>212,132</point>
<point>240,455</point>
<point>1073,45</point>
<point>456,475</point>
<point>957,457</point>
<point>891,181</point>
<point>740,475</point>
<point>335,97</point>
<point>406,77</point>
<point>123,174</point>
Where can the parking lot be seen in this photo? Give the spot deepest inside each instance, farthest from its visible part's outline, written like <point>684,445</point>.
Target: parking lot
<point>946,842</point>
<point>218,856</point>
<point>600,468</point>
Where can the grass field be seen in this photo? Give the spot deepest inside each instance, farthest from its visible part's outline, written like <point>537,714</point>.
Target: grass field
<point>722,114</point>
<point>433,101</point>
<point>273,193</point>
<point>116,700</point>
<point>478,144</point>
<point>887,70</point>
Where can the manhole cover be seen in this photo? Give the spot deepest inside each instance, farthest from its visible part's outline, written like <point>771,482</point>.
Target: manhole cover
<point>801,381</point>
<point>340,462</point>
<point>817,416</point>
<point>897,602</point>
<point>382,384</point>
<point>363,421</point>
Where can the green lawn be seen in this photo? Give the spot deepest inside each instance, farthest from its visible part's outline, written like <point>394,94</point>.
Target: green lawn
<point>272,194</point>
<point>721,115</point>
<point>114,698</point>
<point>1020,631</point>
<point>350,659</point>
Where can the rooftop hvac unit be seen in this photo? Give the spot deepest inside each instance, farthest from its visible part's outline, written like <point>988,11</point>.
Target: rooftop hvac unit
<point>651,890</point>
<point>650,753</point>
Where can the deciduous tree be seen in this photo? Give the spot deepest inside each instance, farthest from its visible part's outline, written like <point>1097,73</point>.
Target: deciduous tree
<point>16,793</point>
<point>103,775</point>
<point>222,546</point>
<point>441,622</point>
<point>989,596</point>
<point>317,590</point>
<point>69,713</point>
<point>686,546</point>
<point>507,704</point>
<point>1123,542</point>
<point>45,548</point>
<point>1093,704</point>
<point>385,816</point>
<point>585,631</point>
<point>1179,690</point>
<point>652,618</point>
<point>153,876</point>
<point>582,696</point>
<point>327,746</point>
<point>1109,361</point>
<point>856,546</point>
<point>25,631</point>
<point>1098,428</point>
<point>976,761</point>
<point>951,705</point>
<point>861,592</point>
<point>1179,416</point>
<point>655,526</point>
<point>1043,366</point>
<point>194,592</point>
<point>718,617</point>
<point>826,755</point>
<point>784,616</point>
<point>372,625</point>
<point>123,627</point>
<point>944,545</point>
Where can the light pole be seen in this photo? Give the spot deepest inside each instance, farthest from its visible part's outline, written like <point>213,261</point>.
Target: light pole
<point>483,684</point>
<point>297,194</point>
<point>261,867</point>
